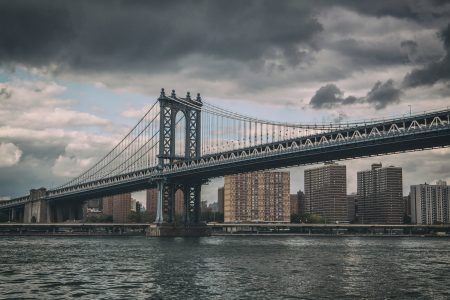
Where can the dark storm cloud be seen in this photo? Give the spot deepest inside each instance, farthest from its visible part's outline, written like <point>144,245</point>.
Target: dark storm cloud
<point>364,53</point>
<point>411,49</point>
<point>150,36</point>
<point>5,93</point>
<point>144,35</point>
<point>330,96</point>
<point>383,94</point>
<point>435,71</point>
<point>380,96</point>
<point>423,11</point>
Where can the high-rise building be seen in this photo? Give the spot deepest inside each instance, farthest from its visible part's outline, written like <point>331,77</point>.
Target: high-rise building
<point>380,195</point>
<point>301,202</point>
<point>352,207</point>
<point>294,204</point>
<point>257,196</point>
<point>220,200</point>
<point>407,206</point>
<point>119,206</point>
<point>107,206</point>
<point>152,197</point>
<point>430,204</point>
<point>326,192</point>
<point>204,206</point>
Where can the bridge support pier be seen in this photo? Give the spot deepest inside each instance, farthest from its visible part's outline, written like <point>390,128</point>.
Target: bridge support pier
<point>36,212</point>
<point>60,212</point>
<point>159,203</point>
<point>12,215</point>
<point>16,214</point>
<point>165,211</point>
<point>192,201</point>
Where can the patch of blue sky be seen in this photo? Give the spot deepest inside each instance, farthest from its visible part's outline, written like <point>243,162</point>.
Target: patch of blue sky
<point>103,102</point>
<point>18,73</point>
<point>88,97</point>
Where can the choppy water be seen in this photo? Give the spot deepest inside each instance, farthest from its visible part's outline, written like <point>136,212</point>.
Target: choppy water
<point>224,268</point>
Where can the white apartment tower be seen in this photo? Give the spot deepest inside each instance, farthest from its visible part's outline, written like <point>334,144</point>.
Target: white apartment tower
<point>430,203</point>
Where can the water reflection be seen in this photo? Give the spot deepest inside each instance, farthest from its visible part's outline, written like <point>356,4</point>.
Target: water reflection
<point>224,268</point>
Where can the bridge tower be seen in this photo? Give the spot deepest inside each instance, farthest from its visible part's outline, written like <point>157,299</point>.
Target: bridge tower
<point>170,106</point>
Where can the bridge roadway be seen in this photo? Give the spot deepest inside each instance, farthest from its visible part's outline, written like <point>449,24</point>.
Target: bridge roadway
<point>417,132</point>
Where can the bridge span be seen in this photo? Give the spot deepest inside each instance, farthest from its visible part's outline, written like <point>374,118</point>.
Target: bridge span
<point>181,143</point>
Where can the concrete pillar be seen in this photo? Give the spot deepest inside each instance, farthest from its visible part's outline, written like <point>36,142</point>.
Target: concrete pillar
<point>21,216</point>
<point>49,213</point>
<point>197,205</point>
<point>12,214</point>
<point>159,203</point>
<point>72,213</point>
<point>84,207</point>
<point>59,214</point>
<point>35,212</point>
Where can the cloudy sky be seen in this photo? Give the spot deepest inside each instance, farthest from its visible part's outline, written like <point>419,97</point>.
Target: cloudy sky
<point>76,75</point>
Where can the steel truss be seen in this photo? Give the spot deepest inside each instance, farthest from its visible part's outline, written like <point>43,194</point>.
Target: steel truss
<point>219,142</point>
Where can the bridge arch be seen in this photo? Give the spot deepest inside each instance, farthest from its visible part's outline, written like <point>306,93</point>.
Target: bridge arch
<point>172,109</point>
<point>180,135</point>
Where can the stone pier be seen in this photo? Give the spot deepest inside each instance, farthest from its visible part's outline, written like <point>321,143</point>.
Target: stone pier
<point>37,210</point>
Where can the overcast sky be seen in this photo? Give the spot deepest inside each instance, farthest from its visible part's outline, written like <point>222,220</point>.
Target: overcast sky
<point>76,75</point>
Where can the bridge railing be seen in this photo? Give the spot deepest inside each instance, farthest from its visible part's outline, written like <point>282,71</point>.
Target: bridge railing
<point>14,202</point>
<point>297,144</point>
<point>405,126</point>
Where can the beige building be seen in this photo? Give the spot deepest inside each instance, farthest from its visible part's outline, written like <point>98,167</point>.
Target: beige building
<point>380,195</point>
<point>118,206</point>
<point>257,196</point>
<point>326,192</point>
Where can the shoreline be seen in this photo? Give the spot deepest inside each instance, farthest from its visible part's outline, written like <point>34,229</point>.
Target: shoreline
<point>216,234</point>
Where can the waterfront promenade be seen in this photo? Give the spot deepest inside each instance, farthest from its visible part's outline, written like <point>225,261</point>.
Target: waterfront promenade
<point>117,229</point>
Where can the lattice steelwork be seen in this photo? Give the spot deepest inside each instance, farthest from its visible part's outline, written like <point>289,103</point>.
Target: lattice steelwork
<point>215,135</point>
<point>218,141</point>
<point>170,106</point>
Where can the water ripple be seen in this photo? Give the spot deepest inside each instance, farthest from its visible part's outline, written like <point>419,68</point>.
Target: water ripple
<point>224,268</point>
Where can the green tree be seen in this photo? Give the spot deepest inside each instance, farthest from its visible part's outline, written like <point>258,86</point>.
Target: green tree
<point>134,217</point>
<point>99,219</point>
<point>209,216</point>
<point>295,218</point>
<point>311,218</point>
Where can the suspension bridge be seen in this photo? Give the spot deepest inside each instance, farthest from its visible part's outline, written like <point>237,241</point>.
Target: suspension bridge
<point>182,142</point>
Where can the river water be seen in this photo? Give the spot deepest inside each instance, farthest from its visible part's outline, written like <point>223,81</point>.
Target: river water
<point>224,268</point>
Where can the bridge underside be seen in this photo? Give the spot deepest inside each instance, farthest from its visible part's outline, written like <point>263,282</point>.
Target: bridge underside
<point>215,148</point>
<point>395,144</point>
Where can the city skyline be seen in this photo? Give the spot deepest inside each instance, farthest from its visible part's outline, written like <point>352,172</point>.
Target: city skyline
<point>67,103</point>
<point>224,149</point>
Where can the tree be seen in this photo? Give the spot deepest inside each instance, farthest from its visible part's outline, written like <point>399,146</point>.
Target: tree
<point>307,218</point>
<point>210,216</point>
<point>100,219</point>
<point>295,218</point>
<point>134,217</point>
